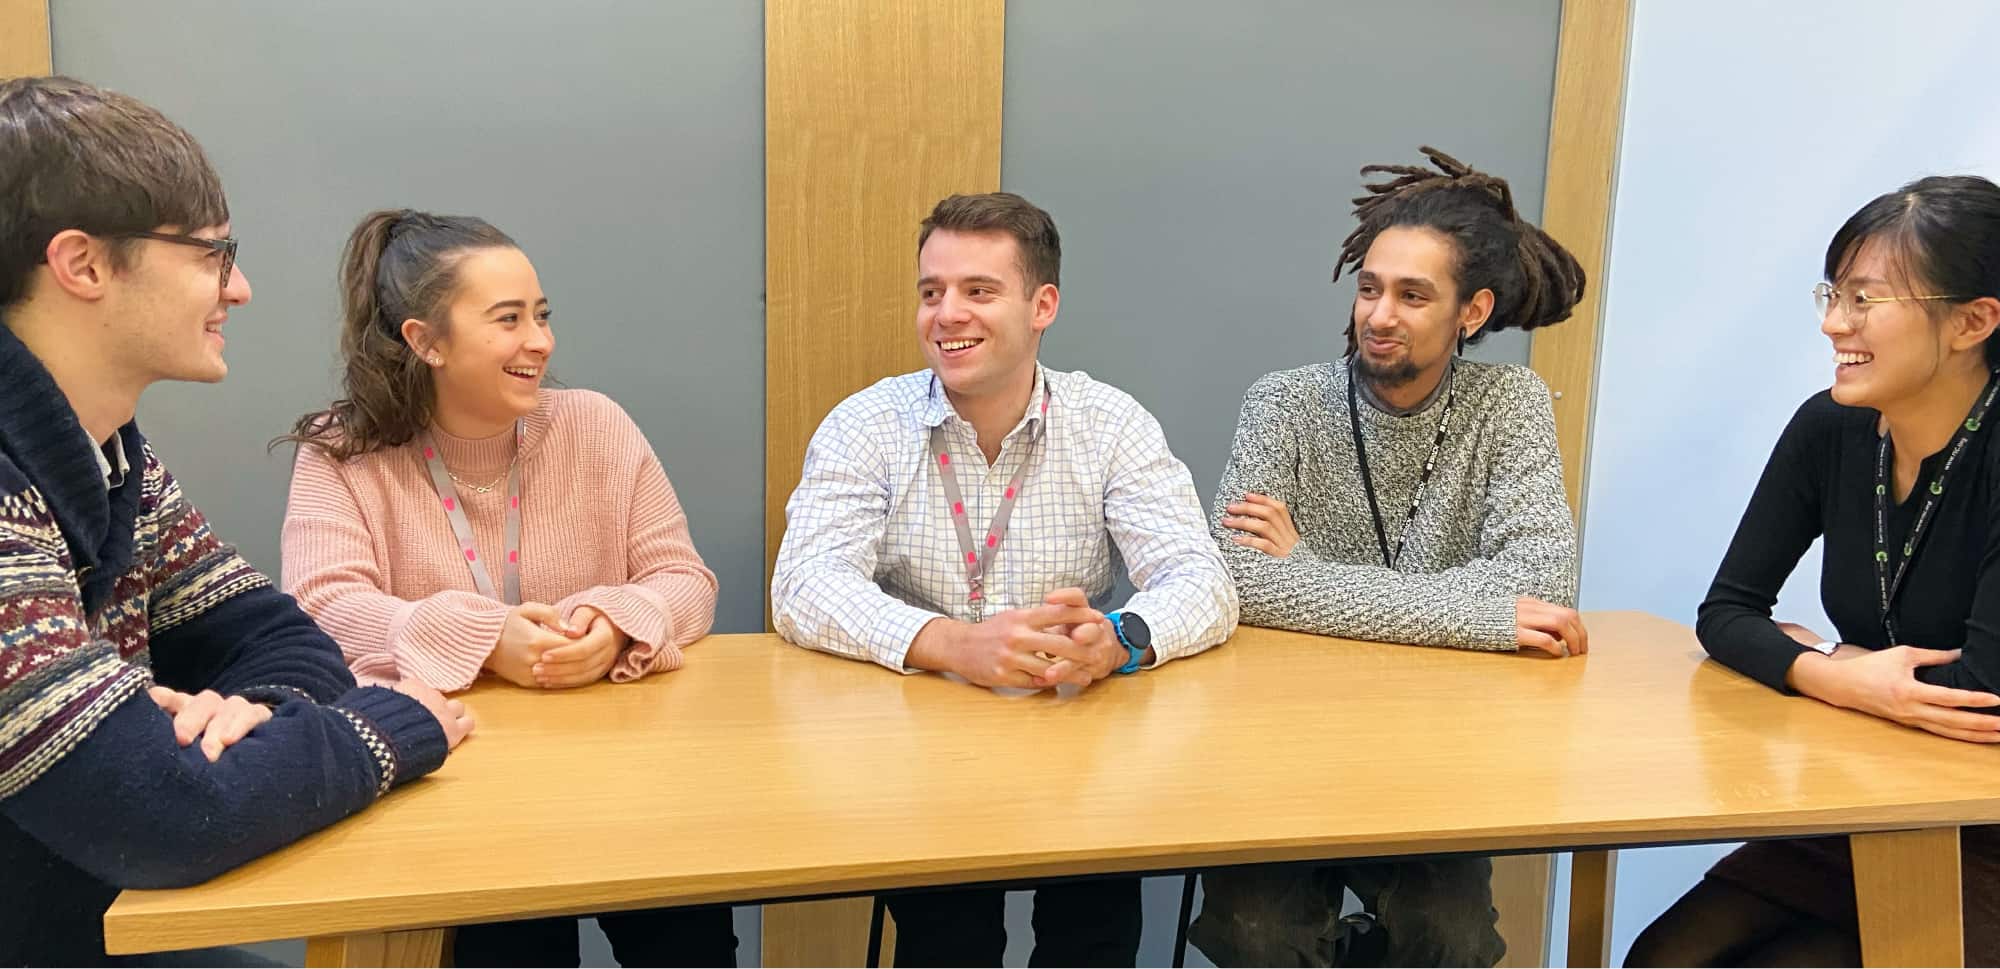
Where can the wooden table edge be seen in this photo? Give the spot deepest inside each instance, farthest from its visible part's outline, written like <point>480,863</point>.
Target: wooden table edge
<point>129,928</point>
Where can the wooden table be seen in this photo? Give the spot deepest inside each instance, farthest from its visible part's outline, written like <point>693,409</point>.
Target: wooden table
<point>764,771</point>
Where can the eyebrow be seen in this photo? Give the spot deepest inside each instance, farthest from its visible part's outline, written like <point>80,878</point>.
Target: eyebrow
<point>1417,281</point>
<point>987,280</point>
<point>1864,280</point>
<point>519,304</point>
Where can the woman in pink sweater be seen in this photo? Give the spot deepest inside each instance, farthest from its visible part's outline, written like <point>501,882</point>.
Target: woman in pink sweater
<point>450,516</point>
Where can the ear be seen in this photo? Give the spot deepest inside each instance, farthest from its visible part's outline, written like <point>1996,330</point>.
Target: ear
<point>1473,313</point>
<point>1047,299</point>
<point>417,334</point>
<point>80,264</point>
<point>1974,323</point>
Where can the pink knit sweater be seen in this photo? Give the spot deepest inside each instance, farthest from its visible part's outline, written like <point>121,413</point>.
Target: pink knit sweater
<point>369,552</point>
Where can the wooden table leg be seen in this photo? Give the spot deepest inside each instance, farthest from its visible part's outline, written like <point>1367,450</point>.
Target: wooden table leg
<point>1592,876</point>
<point>829,932</point>
<point>419,947</point>
<point>1906,884</point>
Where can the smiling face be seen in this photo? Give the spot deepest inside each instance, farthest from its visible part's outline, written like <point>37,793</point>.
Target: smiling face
<point>169,305</point>
<point>489,359</point>
<point>1408,313</point>
<point>1883,352</point>
<point>979,319</point>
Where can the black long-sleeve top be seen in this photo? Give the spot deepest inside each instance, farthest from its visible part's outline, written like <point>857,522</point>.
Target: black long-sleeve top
<point>1820,481</point>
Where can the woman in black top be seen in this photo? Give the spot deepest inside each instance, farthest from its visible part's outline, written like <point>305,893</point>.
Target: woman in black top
<point>1894,467</point>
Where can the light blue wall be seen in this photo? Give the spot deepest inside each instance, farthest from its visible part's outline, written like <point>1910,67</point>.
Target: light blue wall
<point>1752,130</point>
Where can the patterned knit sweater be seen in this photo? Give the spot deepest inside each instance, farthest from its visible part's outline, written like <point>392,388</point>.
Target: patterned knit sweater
<point>1494,524</point>
<point>104,592</point>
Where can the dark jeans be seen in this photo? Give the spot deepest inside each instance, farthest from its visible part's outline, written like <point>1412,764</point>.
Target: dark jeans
<point>1432,912</point>
<point>1078,923</point>
<point>697,936</point>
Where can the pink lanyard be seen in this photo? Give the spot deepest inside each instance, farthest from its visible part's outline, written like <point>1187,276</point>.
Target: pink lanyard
<point>454,510</point>
<point>978,562</point>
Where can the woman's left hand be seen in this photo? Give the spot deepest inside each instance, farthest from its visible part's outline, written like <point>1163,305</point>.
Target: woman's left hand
<point>594,651</point>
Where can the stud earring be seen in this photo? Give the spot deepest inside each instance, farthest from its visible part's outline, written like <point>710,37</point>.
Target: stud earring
<point>436,360</point>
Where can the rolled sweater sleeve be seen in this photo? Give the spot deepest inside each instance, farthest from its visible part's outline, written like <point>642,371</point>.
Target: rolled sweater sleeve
<point>329,564</point>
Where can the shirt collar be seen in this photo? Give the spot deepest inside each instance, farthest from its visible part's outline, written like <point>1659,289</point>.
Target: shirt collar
<point>936,407</point>
<point>111,461</point>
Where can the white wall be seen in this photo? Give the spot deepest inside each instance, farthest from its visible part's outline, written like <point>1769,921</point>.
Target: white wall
<point>1752,130</point>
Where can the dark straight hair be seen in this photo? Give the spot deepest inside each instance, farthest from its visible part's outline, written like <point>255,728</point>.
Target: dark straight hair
<point>1942,233</point>
<point>76,156</point>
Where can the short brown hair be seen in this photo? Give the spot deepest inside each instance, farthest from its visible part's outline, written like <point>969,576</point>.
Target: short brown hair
<point>1033,231</point>
<point>75,156</point>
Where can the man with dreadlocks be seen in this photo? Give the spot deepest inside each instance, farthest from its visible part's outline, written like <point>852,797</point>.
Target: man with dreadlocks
<point>1405,495</point>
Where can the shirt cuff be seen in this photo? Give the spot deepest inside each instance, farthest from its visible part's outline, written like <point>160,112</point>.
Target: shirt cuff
<point>895,632</point>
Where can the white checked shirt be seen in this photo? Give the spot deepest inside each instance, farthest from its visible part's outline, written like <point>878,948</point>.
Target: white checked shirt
<point>870,552</point>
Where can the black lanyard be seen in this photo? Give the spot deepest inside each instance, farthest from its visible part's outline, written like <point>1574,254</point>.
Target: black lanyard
<point>1887,583</point>
<point>1389,559</point>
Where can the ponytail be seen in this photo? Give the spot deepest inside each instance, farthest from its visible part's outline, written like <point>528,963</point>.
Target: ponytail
<point>399,264</point>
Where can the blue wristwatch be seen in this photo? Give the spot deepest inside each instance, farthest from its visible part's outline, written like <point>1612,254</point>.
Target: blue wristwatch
<point>1135,636</point>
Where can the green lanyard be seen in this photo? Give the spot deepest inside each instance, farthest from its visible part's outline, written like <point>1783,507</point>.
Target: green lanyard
<point>1889,583</point>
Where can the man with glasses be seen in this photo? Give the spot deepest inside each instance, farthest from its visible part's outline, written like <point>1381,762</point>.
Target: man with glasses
<point>165,714</point>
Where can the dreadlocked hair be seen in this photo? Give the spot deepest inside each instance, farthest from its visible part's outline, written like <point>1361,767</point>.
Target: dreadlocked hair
<point>1535,281</point>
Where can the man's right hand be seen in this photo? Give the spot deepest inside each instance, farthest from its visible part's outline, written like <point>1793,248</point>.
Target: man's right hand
<point>1549,628</point>
<point>217,720</point>
<point>532,628</point>
<point>1001,650</point>
<point>453,715</point>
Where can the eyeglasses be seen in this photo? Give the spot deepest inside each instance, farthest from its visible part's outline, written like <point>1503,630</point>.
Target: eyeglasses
<point>1854,306</point>
<point>226,246</point>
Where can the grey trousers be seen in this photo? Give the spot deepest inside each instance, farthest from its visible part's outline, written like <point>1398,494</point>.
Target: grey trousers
<point>1433,912</point>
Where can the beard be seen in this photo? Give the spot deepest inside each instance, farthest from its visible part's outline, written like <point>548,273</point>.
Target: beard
<point>1397,374</point>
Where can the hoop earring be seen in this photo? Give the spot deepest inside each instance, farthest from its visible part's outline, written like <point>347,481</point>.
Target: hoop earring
<point>1461,342</point>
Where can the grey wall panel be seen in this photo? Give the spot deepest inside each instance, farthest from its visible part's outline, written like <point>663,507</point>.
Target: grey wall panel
<point>1200,160</point>
<point>621,144</point>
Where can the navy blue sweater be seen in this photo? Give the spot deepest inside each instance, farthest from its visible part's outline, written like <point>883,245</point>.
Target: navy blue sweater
<point>104,592</point>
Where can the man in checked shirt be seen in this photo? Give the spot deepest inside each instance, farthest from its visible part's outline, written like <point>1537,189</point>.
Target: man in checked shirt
<point>969,519</point>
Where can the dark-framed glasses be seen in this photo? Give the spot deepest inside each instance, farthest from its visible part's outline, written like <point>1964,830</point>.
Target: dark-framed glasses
<point>226,246</point>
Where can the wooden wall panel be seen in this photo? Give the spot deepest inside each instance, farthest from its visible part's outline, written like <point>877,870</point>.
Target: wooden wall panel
<point>1522,892</point>
<point>873,110</point>
<point>24,38</point>
<point>1584,128</point>
<point>1582,174</point>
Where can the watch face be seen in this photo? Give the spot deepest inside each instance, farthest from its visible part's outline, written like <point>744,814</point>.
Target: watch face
<point>1136,631</point>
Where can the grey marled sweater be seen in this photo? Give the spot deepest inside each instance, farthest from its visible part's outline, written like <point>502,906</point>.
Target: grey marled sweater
<point>1494,524</point>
